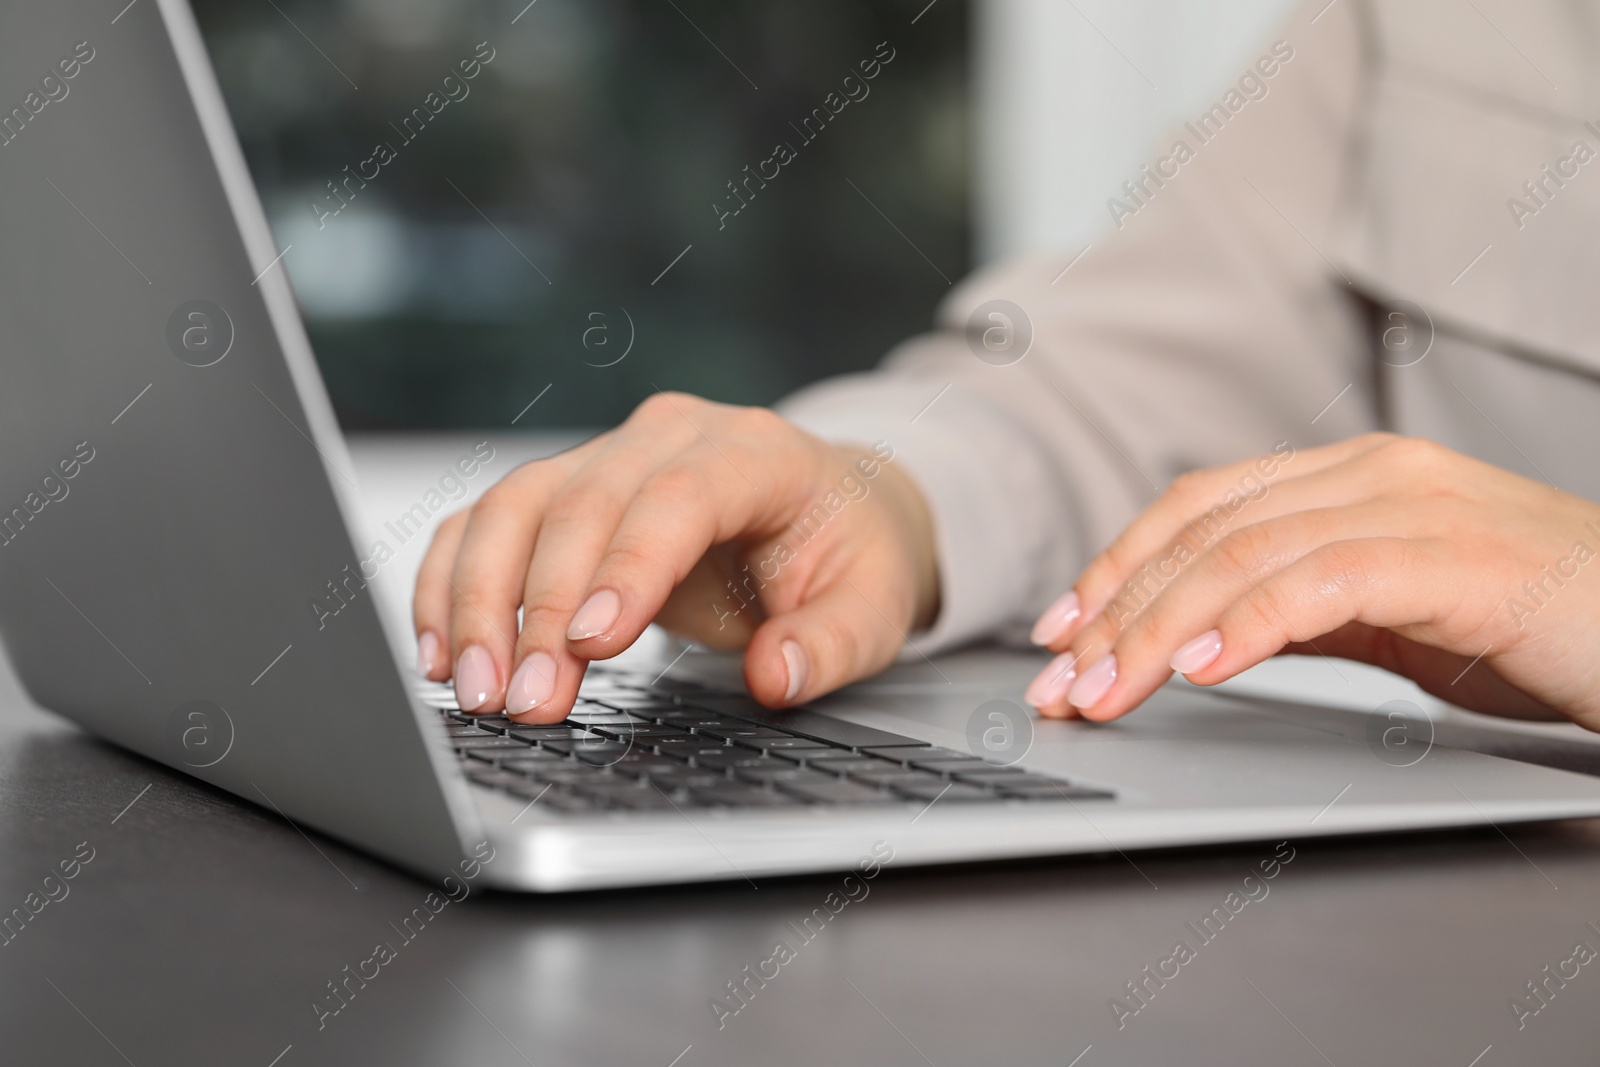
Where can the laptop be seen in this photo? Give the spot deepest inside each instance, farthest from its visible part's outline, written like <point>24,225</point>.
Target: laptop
<point>178,514</point>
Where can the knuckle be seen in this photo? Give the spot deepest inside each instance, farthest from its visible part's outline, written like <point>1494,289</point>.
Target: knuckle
<point>756,422</point>
<point>1099,637</point>
<point>447,529</point>
<point>681,481</point>
<point>1264,614</point>
<point>1186,487</point>
<point>1116,560</point>
<point>467,612</point>
<point>581,504</point>
<point>1244,551</point>
<point>1344,565</point>
<point>1416,454</point>
<point>662,405</point>
<point>503,497</point>
<point>626,557</point>
<point>546,613</point>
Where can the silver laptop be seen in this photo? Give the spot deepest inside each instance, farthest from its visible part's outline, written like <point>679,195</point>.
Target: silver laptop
<point>177,509</point>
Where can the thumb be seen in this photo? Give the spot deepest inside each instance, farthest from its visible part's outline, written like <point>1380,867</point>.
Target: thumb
<point>849,629</point>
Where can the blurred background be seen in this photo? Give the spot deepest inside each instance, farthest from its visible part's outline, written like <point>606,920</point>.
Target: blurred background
<point>554,227</point>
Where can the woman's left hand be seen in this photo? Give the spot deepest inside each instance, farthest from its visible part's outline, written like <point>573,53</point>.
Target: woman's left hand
<point>1478,584</point>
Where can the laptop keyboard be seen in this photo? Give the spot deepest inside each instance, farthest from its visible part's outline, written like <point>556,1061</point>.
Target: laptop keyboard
<point>631,746</point>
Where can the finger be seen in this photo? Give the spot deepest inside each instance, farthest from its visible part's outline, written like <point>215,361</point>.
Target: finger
<point>1196,508</point>
<point>1390,583</point>
<point>1138,650</point>
<point>1451,676</point>
<point>1384,582</point>
<point>679,513</point>
<point>579,524</point>
<point>1047,693</point>
<point>849,629</point>
<point>702,608</point>
<point>430,606</point>
<point>486,580</point>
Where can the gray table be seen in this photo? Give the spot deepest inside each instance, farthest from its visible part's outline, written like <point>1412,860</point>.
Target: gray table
<point>203,930</point>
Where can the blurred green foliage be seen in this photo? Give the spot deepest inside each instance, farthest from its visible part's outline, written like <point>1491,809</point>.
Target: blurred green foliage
<point>589,152</point>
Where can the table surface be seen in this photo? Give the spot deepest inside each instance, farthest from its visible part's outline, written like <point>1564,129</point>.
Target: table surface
<point>203,930</point>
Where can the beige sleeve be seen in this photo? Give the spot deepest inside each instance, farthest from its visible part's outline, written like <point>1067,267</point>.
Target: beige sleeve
<point>1208,327</point>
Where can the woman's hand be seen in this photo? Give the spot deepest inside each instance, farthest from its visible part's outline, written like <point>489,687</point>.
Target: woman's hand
<point>1478,584</point>
<point>727,525</point>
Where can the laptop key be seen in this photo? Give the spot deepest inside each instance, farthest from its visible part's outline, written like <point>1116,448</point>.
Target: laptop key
<point>503,755</point>
<point>791,775</point>
<point>565,801</point>
<point>487,743</point>
<point>954,766</point>
<point>486,775</point>
<point>743,730</point>
<point>946,792</point>
<point>526,788</point>
<point>607,719</point>
<point>567,773</point>
<point>681,777</point>
<point>591,743</point>
<point>907,754</point>
<point>624,731</point>
<point>631,795</point>
<point>782,744</point>
<point>495,723</point>
<point>546,733</point>
<point>603,754</point>
<point>740,795</point>
<point>622,700</point>
<point>840,763</point>
<point>656,768</point>
<point>640,753</point>
<point>696,718</point>
<point>1056,791</point>
<point>684,738</point>
<point>838,791</point>
<point>529,763</point>
<point>734,758</point>
<point>1004,777</point>
<point>897,776</point>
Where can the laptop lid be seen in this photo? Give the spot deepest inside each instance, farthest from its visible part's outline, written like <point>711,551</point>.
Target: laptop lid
<point>178,571</point>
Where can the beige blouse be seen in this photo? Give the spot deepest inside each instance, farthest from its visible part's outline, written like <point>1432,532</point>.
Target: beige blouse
<point>1390,220</point>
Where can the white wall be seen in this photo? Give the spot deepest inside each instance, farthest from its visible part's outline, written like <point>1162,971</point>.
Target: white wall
<point>1063,119</point>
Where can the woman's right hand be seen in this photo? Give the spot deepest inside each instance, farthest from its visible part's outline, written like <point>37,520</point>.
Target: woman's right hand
<point>728,525</point>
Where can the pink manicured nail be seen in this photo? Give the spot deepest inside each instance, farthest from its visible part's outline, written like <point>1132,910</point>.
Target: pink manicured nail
<point>476,678</point>
<point>798,666</point>
<point>532,684</point>
<point>1093,683</point>
<point>598,614</point>
<point>1055,620</point>
<point>428,652</point>
<point>1198,654</point>
<point>1052,682</point>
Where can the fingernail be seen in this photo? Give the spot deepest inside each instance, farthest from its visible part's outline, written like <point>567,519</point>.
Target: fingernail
<point>1055,620</point>
<point>1093,683</point>
<point>532,684</point>
<point>794,659</point>
<point>428,650</point>
<point>1052,682</point>
<point>476,678</point>
<point>598,614</point>
<point>1198,654</point>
